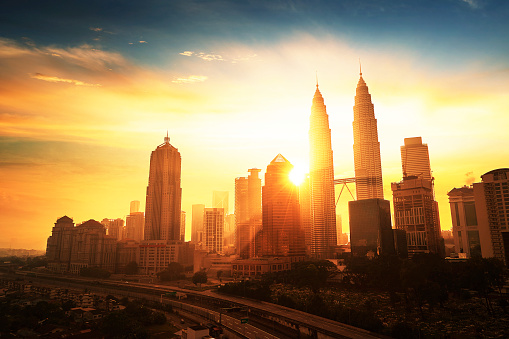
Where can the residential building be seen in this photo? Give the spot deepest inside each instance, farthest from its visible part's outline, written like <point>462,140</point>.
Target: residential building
<point>213,227</point>
<point>465,228</point>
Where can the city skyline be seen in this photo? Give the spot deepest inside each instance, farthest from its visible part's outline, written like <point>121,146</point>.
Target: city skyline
<point>86,97</point>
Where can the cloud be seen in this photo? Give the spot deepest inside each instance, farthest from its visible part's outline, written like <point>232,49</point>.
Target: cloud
<point>472,3</point>
<point>217,57</point>
<point>190,79</point>
<point>96,29</point>
<point>57,79</point>
<point>143,42</point>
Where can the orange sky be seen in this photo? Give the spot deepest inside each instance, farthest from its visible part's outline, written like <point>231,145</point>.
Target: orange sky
<point>77,124</point>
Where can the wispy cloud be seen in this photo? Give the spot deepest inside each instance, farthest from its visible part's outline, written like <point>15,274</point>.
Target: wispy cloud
<point>472,3</point>
<point>138,42</point>
<point>96,29</point>
<point>217,57</point>
<point>190,79</point>
<point>49,78</point>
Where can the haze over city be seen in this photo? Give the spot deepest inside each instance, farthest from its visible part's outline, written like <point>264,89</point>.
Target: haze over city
<point>89,89</point>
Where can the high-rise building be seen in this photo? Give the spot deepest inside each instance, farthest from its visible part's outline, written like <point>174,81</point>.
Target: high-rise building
<point>370,227</point>
<point>114,227</point>
<point>415,159</point>
<point>58,250</point>
<point>282,234</point>
<point>197,223</point>
<point>465,230</point>
<point>248,212</point>
<point>213,225</point>
<point>366,148</point>
<point>321,176</point>
<point>163,207</point>
<point>182,226</point>
<point>220,200</point>
<point>492,211</point>
<point>305,213</point>
<point>134,207</point>
<point>416,212</point>
<point>135,223</point>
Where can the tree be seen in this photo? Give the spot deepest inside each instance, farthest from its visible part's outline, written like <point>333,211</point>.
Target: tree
<point>131,268</point>
<point>174,271</point>
<point>200,277</point>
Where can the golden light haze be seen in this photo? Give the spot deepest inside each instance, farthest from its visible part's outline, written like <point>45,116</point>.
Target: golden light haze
<point>78,124</point>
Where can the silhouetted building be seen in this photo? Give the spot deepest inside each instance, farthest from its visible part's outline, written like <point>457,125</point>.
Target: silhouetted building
<point>282,234</point>
<point>464,221</point>
<point>182,226</point>
<point>321,179</point>
<point>492,211</point>
<point>305,213</point>
<point>248,212</point>
<point>135,223</point>
<point>213,226</point>
<point>370,227</point>
<point>416,212</point>
<point>91,247</point>
<point>415,159</point>
<point>58,250</point>
<point>197,224</point>
<point>163,207</point>
<point>368,167</point>
<point>400,244</point>
<point>127,252</point>
<point>134,207</point>
<point>114,227</point>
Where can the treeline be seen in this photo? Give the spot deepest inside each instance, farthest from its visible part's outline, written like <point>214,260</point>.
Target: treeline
<point>423,283</point>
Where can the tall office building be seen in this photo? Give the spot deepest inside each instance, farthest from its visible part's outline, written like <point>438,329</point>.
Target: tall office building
<point>366,148</point>
<point>58,250</point>
<point>416,212</point>
<point>220,200</point>
<point>492,211</point>
<point>321,175</point>
<point>213,225</point>
<point>114,227</point>
<point>163,207</point>
<point>182,226</point>
<point>465,229</point>
<point>197,223</point>
<point>305,213</point>
<point>135,206</point>
<point>282,234</point>
<point>415,159</point>
<point>370,227</point>
<point>248,212</point>
<point>134,226</point>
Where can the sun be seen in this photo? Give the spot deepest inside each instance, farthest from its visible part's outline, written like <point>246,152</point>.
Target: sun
<point>298,174</point>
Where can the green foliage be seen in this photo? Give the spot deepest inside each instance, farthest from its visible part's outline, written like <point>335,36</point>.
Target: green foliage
<point>95,272</point>
<point>200,277</point>
<point>174,271</point>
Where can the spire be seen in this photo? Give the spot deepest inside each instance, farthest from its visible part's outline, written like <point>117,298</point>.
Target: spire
<point>360,68</point>
<point>316,73</point>
<point>166,138</point>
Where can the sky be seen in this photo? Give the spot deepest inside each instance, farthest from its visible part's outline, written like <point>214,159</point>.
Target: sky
<point>88,89</point>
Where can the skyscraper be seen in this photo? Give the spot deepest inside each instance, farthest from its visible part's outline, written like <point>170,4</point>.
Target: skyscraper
<point>366,148</point>
<point>415,158</point>
<point>163,207</point>
<point>464,221</point>
<point>492,211</point>
<point>197,223</point>
<point>321,176</point>
<point>213,224</point>
<point>135,206</point>
<point>248,212</point>
<point>416,212</point>
<point>282,234</point>
<point>182,226</point>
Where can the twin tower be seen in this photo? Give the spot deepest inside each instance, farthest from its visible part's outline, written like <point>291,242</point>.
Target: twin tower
<point>368,168</point>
